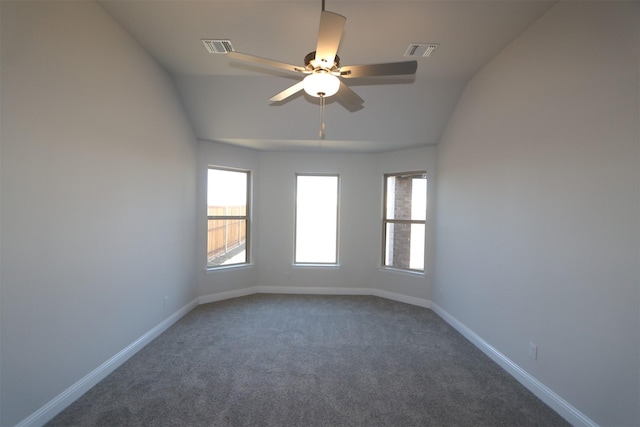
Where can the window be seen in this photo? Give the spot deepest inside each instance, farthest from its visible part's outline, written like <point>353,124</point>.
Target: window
<point>228,217</point>
<point>316,229</point>
<point>404,216</point>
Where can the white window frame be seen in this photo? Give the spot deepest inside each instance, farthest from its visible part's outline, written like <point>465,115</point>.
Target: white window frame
<point>403,221</point>
<point>246,217</point>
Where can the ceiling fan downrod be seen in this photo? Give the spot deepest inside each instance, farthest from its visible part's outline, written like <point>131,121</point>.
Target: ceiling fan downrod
<point>322,125</point>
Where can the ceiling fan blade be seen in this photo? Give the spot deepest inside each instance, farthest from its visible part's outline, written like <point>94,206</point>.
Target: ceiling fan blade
<point>265,62</point>
<point>349,98</point>
<point>329,35</point>
<point>373,70</point>
<point>292,90</point>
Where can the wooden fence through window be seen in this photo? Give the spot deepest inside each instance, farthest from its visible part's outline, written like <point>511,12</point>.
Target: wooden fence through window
<point>224,235</point>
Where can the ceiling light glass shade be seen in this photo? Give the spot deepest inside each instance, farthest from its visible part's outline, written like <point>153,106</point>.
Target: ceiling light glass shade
<point>321,84</point>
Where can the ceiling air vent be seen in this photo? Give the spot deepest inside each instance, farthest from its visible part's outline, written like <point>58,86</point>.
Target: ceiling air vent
<point>218,46</point>
<point>421,49</point>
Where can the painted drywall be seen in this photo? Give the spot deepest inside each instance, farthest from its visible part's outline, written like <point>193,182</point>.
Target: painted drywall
<point>417,286</point>
<point>235,278</point>
<point>358,215</point>
<point>98,198</point>
<point>360,225</point>
<point>538,207</point>
<point>425,104</point>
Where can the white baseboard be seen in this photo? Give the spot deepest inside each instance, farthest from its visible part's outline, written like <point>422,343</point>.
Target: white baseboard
<point>220,296</point>
<point>315,290</point>
<point>310,290</point>
<point>544,393</point>
<point>64,399</point>
<point>420,302</point>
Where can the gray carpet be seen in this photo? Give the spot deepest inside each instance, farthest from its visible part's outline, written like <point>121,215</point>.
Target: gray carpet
<point>301,360</point>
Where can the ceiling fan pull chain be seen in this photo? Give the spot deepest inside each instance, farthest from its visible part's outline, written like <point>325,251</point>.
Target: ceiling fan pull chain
<point>322,125</point>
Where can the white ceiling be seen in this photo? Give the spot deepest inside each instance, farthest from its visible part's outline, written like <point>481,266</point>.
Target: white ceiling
<point>227,101</point>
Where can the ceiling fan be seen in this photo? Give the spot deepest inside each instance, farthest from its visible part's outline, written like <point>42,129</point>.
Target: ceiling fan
<point>323,70</point>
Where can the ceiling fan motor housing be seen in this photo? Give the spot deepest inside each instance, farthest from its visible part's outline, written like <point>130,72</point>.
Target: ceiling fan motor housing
<point>311,64</point>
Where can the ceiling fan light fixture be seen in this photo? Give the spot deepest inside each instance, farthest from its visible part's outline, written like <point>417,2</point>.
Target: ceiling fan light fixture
<point>321,84</point>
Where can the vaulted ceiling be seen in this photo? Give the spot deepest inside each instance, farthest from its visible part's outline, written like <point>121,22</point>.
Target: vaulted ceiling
<point>227,101</point>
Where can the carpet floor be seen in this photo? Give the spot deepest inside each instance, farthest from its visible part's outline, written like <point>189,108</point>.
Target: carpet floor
<point>309,360</point>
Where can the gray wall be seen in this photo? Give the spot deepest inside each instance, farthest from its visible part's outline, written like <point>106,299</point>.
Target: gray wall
<point>98,198</point>
<point>538,206</point>
<point>357,211</point>
<point>236,278</point>
<point>409,160</point>
<point>360,226</point>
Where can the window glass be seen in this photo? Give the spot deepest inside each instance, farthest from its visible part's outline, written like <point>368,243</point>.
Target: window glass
<point>404,216</point>
<point>316,228</point>
<point>228,220</point>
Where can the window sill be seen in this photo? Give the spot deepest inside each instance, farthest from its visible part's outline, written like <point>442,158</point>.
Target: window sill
<point>228,267</point>
<point>318,266</point>
<point>413,273</point>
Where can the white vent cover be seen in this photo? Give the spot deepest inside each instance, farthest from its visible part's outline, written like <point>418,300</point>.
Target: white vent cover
<point>218,46</point>
<point>421,49</point>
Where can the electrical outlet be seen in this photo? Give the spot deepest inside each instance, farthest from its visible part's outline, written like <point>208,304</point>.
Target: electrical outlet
<point>164,302</point>
<point>533,351</point>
